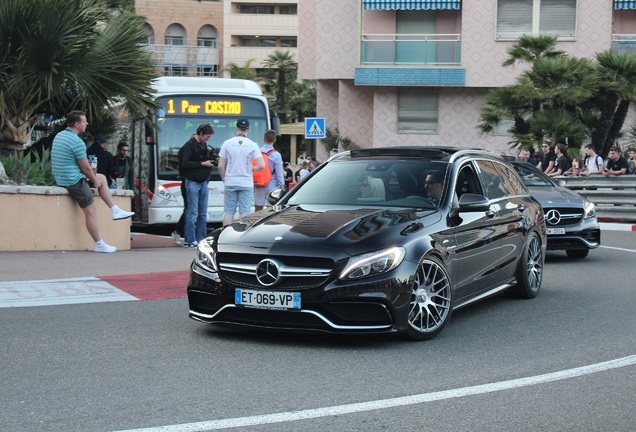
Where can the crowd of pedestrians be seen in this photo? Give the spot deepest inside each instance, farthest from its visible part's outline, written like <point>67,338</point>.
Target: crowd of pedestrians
<point>554,161</point>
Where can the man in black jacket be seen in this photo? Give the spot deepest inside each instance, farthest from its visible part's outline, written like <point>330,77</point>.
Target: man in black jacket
<point>195,166</point>
<point>105,161</point>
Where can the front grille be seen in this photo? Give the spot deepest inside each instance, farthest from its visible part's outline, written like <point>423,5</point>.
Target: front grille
<point>297,272</point>
<point>565,216</point>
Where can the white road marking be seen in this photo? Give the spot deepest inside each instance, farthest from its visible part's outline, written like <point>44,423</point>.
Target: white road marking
<point>390,403</point>
<point>59,292</point>
<point>618,249</point>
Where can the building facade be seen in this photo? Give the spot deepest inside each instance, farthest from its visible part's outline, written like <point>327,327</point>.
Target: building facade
<point>200,37</point>
<point>417,72</point>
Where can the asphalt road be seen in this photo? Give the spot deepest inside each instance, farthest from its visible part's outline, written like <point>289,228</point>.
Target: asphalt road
<point>565,361</point>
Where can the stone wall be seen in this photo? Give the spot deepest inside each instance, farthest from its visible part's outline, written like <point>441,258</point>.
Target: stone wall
<point>45,218</point>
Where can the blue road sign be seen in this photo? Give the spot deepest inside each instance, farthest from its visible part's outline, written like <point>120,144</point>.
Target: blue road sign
<point>315,128</point>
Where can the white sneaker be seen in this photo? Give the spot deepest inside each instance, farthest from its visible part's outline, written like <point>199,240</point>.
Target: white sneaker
<point>104,248</point>
<point>121,214</point>
<point>176,238</point>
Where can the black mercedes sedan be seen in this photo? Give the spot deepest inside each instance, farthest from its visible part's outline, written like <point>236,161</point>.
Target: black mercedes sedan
<point>380,240</point>
<point>571,222</point>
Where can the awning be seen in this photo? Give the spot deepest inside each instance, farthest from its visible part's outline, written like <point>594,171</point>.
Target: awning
<point>414,4</point>
<point>621,4</point>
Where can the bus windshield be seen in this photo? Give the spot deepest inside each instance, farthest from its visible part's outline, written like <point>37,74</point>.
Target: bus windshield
<point>180,116</point>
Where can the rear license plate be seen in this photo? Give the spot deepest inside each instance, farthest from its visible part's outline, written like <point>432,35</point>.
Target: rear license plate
<point>266,299</point>
<point>555,230</point>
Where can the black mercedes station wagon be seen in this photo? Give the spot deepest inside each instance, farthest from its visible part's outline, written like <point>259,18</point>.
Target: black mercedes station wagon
<point>380,240</point>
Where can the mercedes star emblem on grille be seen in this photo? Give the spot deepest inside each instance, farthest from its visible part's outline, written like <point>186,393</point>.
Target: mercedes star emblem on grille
<point>553,217</point>
<point>268,272</point>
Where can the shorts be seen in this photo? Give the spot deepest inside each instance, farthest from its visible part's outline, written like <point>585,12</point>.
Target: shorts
<point>260,196</point>
<point>82,193</point>
<point>238,196</point>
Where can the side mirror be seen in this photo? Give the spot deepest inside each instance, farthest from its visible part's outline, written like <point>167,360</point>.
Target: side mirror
<point>275,196</point>
<point>473,203</point>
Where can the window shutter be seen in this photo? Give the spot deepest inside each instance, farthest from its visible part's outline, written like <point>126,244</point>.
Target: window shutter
<point>514,18</point>
<point>558,17</point>
<point>417,110</point>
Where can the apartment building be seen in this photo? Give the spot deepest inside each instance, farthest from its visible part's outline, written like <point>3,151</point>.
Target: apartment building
<point>255,29</point>
<point>184,35</point>
<point>200,37</point>
<point>417,72</point>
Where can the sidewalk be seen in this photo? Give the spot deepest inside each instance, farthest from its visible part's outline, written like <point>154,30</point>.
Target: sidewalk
<point>154,268</point>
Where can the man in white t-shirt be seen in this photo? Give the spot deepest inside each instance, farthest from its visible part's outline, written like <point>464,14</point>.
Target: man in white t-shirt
<point>235,168</point>
<point>593,162</point>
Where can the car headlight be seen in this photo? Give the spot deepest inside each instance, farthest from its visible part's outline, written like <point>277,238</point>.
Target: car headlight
<point>590,210</point>
<point>206,257</point>
<point>374,263</point>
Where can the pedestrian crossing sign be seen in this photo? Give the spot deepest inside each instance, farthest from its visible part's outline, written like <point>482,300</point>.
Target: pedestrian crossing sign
<point>315,128</point>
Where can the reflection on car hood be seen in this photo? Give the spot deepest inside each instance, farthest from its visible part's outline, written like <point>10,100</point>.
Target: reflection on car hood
<point>556,197</point>
<point>329,228</point>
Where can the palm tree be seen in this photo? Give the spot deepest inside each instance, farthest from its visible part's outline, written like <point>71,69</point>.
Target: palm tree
<point>59,55</point>
<point>241,72</point>
<point>545,102</point>
<point>282,63</point>
<point>617,90</point>
<point>531,48</point>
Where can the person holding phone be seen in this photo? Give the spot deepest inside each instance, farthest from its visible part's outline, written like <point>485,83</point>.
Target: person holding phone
<point>616,163</point>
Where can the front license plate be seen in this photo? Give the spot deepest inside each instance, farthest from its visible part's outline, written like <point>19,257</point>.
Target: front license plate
<point>266,299</point>
<point>555,230</point>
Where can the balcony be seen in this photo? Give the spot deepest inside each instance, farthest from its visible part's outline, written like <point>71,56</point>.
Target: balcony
<point>418,49</point>
<point>410,60</point>
<point>187,57</point>
<point>624,42</point>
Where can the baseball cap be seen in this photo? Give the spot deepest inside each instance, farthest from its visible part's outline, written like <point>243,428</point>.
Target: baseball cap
<point>100,138</point>
<point>243,123</point>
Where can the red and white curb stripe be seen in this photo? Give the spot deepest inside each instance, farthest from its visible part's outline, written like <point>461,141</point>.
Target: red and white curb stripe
<point>615,226</point>
<point>101,289</point>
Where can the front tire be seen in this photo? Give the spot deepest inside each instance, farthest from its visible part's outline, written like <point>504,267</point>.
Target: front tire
<point>530,269</point>
<point>431,299</point>
<point>578,254</point>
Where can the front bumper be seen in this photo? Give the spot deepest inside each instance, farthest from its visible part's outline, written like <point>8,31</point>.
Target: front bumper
<point>575,239</point>
<point>374,306</point>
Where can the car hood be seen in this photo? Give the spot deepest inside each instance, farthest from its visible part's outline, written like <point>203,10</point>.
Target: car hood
<point>325,228</point>
<point>556,197</point>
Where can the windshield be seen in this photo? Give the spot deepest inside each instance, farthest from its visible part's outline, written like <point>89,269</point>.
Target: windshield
<point>532,176</point>
<point>383,183</point>
<point>177,127</point>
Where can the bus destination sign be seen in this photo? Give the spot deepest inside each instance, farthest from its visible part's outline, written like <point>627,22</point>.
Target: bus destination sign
<point>202,106</point>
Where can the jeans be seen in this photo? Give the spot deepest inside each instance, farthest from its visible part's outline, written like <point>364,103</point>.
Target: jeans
<point>237,196</point>
<point>196,212</point>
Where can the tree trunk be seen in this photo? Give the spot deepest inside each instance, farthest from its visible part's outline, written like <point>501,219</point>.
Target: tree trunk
<point>617,125</point>
<point>599,136</point>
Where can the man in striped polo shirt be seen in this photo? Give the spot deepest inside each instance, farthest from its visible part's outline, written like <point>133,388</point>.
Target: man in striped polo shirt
<point>71,170</point>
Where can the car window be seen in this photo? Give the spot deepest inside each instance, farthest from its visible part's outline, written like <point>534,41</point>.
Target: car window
<point>511,181</point>
<point>467,182</point>
<point>532,176</point>
<point>491,179</point>
<point>399,183</point>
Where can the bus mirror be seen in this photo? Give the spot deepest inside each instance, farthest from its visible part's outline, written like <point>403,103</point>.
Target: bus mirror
<point>275,120</point>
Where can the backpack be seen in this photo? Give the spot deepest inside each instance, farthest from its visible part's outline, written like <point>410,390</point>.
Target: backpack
<point>598,166</point>
<point>264,176</point>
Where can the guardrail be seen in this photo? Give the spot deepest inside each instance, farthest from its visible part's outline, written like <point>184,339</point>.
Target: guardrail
<point>615,197</point>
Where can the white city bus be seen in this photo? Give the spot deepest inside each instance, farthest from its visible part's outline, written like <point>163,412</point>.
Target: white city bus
<point>185,103</point>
